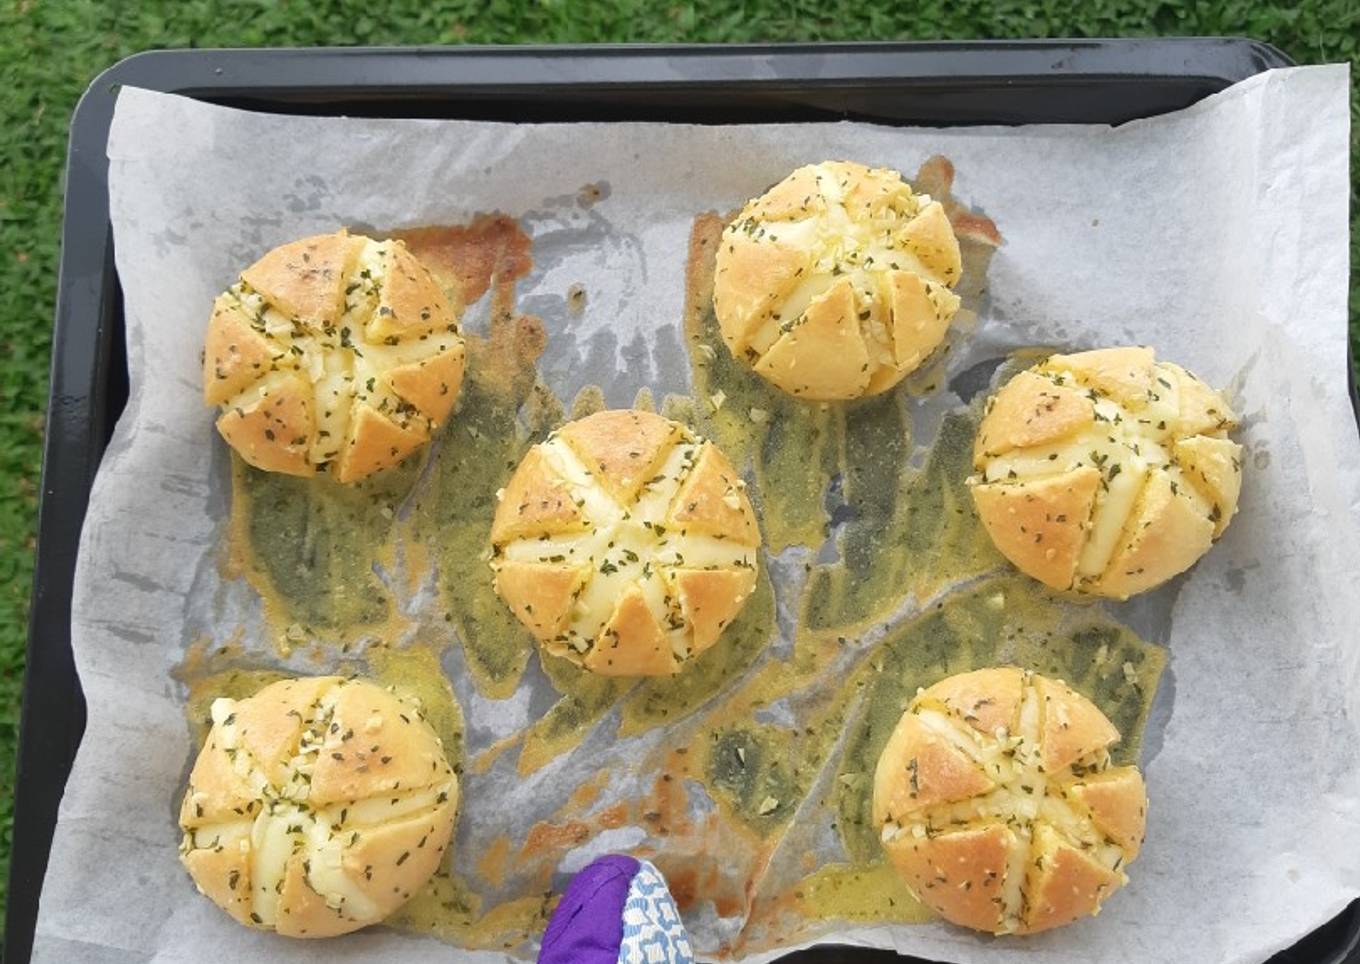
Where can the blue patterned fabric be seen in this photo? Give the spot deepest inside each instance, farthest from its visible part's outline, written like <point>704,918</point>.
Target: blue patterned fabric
<point>652,931</point>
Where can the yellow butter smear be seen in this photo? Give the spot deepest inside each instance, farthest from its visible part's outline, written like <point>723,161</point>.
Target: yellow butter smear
<point>777,737</point>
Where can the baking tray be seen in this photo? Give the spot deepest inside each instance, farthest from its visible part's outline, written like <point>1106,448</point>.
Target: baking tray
<point>955,83</point>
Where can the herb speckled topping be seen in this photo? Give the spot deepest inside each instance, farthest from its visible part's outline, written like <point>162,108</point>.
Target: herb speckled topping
<point>625,543</point>
<point>1107,471</point>
<point>317,806</point>
<point>335,351</point>
<point>997,804</point>
<point>836,282</point>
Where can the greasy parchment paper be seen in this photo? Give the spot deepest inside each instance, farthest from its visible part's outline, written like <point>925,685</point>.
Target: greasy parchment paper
<point>1217,234</point>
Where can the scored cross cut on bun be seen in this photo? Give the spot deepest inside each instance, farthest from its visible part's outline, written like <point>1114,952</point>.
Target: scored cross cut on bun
<point>835,283</point>
<point>625,543</point>
<point>996,802</point>
<point>336,350</point>
<point>317,806</point>
<point>1107,471</point>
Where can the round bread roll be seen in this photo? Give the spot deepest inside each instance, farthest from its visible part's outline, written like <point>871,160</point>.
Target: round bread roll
<point>317,806</point>
<point>997,804</point>
<point>335,350</point>
<point>835,283</point>
<point>1107,471</point>
<point>625,543</point>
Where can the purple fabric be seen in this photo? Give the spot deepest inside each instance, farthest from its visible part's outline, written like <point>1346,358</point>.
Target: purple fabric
<point>587,926</point>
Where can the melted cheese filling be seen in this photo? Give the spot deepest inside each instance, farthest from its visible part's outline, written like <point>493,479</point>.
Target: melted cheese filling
<point>1127,447</point>
<point>286,825</point>
<point>1020,799</point>
<point>344,368</point>
<point>627,545</point>
<point>865,250</point>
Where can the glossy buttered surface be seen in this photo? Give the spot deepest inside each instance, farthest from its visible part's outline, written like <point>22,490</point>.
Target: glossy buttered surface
<point>996,802</point>
<point>1107,471</point>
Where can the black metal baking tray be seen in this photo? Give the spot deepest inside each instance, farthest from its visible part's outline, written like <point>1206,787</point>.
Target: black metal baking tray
<point>1096,81</point>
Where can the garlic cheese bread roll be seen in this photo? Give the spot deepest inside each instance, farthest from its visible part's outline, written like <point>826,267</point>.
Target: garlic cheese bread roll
<point>1107,471</point>
<point>997,804</point>
<point>335,350</point>
<point>625,543</point>
<point>836,282</point>
<point>317,806</point>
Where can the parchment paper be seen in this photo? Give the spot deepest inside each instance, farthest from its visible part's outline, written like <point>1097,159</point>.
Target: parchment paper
<point>1217,234</point>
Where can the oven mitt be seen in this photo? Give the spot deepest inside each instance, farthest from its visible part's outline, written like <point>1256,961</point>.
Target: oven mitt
<point>617,909</point>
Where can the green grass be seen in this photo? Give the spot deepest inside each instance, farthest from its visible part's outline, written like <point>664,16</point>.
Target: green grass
<point>50,50</point>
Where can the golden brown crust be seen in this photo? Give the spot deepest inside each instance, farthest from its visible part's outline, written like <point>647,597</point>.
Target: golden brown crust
<point>1117,803</point>
<point>622,448</point>
<point>710,599</point>
<point>535,502</point>
<point>306,278</point>
<point>302,911</point>
<point>1072,726</point>
<point>1214,467</point>
<point>811,284</point>
<point>930,237</point>
<point>625,544</point>
<point>337,322</point>
<point>920,769</point>
<point>379,746</point>
<point>1125,374</point>
<point>1064,885</point>
<point>1203,410</point>
<point>918,323</point>
<point>376,443</point>
<point>411,302</point>
<point>1040,525</point>
<point>361,803</point>
<point>270,722</point>
<point>1030,410</point>
<point>216,792</point>
<point>1128,424</point>
<point>274,431</point>
<point>222,874</point>
<point>829,334</point>
<point>797,196</point>
<point>959,874</point>
<point>392,861</point>
<point>712,500</point>
<point>431,384</point>
<point>999,779</point>
<point>632,643</point>
<point>1165,535</point>
<point>540,594</point>
<point>751,280</point>
<point>234,353</point>
<point>985,699</point>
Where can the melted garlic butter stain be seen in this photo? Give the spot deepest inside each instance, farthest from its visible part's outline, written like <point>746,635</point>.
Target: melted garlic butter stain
<point>502,409</point>
<point>449,909</point>
<point>309,547</point>
<point>871,893</point>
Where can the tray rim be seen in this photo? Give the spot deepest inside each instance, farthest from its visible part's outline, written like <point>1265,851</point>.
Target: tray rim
<point>78,425</point>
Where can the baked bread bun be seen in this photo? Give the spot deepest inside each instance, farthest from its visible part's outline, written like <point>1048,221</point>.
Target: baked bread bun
<point>625,543</point>
<point>996,802</point>
<point>317,806</point>
<point>1107,472</point>
<point>836,282</point>
<point>336,350</point>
